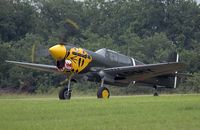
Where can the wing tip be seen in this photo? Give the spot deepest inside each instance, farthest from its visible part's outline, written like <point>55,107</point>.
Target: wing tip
<point>10,61</point>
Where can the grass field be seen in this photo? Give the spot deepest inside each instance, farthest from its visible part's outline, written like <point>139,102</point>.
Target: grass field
<point>180,112</point>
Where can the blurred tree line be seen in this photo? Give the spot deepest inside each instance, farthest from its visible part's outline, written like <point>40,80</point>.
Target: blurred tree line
<point>148,30</point>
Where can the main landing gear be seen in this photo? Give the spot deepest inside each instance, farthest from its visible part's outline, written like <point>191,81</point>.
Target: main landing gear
<point>65,93</point>
<point>103,92</point>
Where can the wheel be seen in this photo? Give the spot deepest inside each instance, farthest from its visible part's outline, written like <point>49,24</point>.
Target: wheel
<point>64,94</point>
<point>155,94</point>
<point>103,92</point>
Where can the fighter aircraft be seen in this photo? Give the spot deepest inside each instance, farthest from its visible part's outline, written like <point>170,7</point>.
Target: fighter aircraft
<point>106,66</point>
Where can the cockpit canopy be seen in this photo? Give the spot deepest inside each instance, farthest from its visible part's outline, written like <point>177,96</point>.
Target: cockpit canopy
<point>114,56</point>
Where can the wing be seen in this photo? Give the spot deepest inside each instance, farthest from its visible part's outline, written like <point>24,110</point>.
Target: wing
<point>42,67</point>
<point>142,72</point>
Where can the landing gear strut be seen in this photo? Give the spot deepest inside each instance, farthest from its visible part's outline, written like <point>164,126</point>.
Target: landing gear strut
<point>103,92</point>
<point>65,93</point>
<point>156,91</point>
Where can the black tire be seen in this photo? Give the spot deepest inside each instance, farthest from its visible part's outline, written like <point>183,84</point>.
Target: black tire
<point>103,92</point>
<point>155,94</point>
<point>64,94</point>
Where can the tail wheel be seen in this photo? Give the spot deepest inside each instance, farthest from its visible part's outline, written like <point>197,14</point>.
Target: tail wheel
<point>156,91</point>
<point>103,92</point>
<point>64,94</point>
<point>155,94</point>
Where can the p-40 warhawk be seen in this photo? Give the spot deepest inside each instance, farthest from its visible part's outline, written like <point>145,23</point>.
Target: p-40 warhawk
<point>106,67</point>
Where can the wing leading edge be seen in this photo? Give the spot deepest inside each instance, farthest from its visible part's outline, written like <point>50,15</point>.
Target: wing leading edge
<point>47,68</point>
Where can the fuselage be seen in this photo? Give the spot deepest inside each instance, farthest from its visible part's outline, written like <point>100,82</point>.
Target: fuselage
<point>105,58</point>
<point>83,60</point>
<point>85,64</point>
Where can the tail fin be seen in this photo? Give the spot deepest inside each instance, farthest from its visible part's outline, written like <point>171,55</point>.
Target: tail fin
<point>173,57</point>
<point>175,78</point>
<point>170,80</point>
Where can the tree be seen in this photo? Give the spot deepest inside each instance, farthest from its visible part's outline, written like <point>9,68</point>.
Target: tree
<point>146,30</point>
<point>16,19</point>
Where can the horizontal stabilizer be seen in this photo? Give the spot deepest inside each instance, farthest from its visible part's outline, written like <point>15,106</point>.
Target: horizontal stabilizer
<point>143,72</point>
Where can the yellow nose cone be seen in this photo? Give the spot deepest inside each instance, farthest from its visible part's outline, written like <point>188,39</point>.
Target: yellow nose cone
<point>58,52</point>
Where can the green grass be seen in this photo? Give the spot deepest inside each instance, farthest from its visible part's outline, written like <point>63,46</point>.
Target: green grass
<point>180,112</point>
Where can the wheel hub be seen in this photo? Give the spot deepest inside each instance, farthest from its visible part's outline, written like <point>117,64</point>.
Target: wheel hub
<point>105,94</point>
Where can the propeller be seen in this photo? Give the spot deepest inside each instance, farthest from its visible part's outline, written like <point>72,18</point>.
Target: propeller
<point>71,29</point>
<point>38,51</point>
<point>59,51</point>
